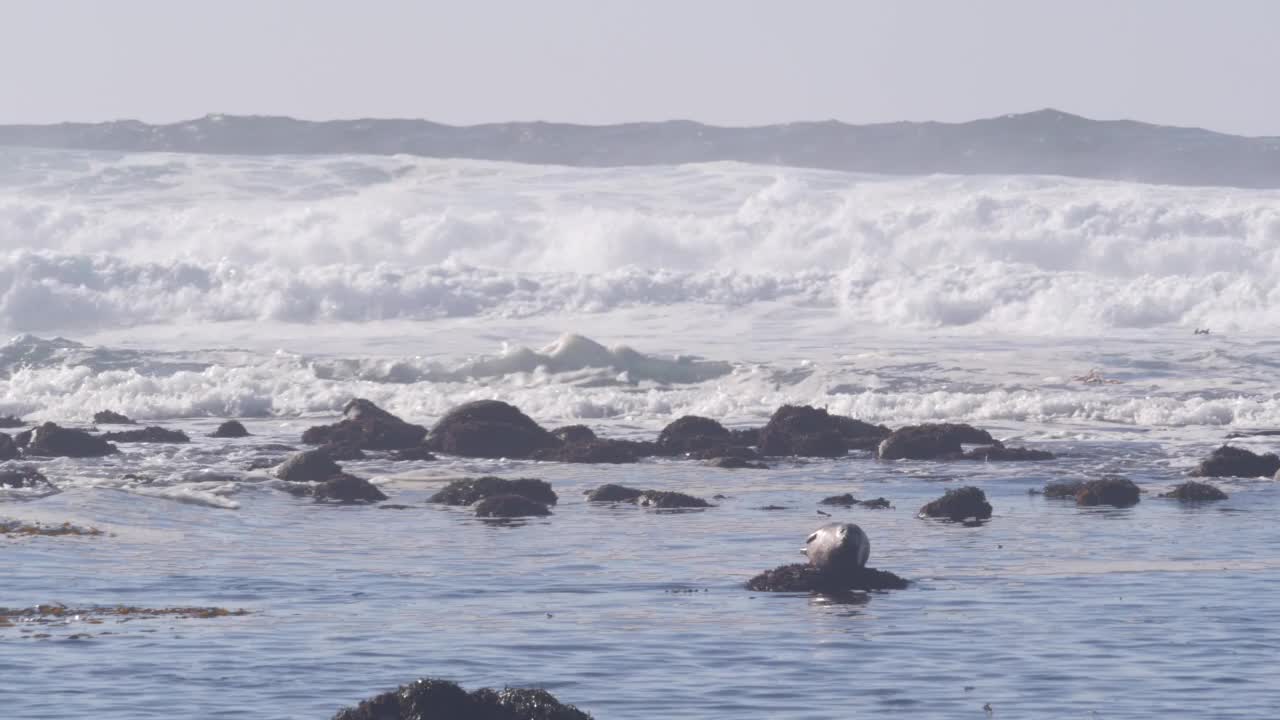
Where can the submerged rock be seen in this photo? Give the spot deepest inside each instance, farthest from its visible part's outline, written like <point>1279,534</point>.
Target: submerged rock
<point>813,432</point>
<point>23,477</point>
<point>1000,453</point>
<point>49,440</point>
<point>368,427</point>
<point>230,429</point>
<point>800,577</point>
<point>933,441</point>
<point>510,506</point>
<point>959,505</point>
<point>1063,489</point>
<point>308,466</point>
<point>736,463</point>
<point>1115,491</point>
<point>691,434</point>
<point>667,500</point>
<point>1192,491</point>
<point>489,429</point>
<point>429,698</point>
<point>1228,461</point>
<point>110,417</point>
<point>8,448</point>
<point>147,435</point>
<point>614,493</point>
<point>471,490</point>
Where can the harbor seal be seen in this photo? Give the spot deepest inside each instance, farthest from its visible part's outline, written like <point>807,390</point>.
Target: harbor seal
<point>838,547</point>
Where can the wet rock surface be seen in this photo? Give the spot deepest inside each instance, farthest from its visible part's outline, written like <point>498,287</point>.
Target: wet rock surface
<point>147,435</point>
<point>574,434</point>
<point>347,488</point>
<point>414,454</point>
<point>510,506</point>
<point>366,426</point>
<point>429,699</point>
<point>959,505</point>
<point>934,441</point>
<point>736,463</point>
<point>692,433</point>
<point>489,429</point>
<point>50,440</point>
<point>801,577</point>
<point>110,417</point>
<point>1065,489</point>
<point>813,432</point>
<point>8,448</point>
<point>1192,491</point>
<point>668,500</point>
<point>595,451</point>
<point>472,490</point>
<point>230,429</point>
<point>23,478</point>
<point>1230,461</point>
<point>1115,491</point>
<point>614,493</point>
<point>308,466</point>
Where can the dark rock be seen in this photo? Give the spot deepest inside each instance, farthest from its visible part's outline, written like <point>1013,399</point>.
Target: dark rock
<point>845,500</point>
<point>1228,461</point>
<point>876,504</point>
<point>737,463</point>
<point>614,493</point>
<point>23,438</point>
<point>747,437</point>
<point>807,578</point>
<point>430,699</point>
<point>308,466</point>
<point>1000,453</point>
<point>8,422</point>
<point>1063,489</point>
<point>263,463</point>
<point>774,507</point>
<point>472,490</point>
<point>419,453</point>
<point>489,429</point>
<point>108,417</point>
<point>347,488</point>
<point>1115,491</point>
<point>614,452</point>
<point>8,448</point>
<point>368,427</point>
<point>934,441</point>
<point>508,506</point>
<point>147,435</point>
<point>230,429</point>
<point>23,477</point>
<point>692,433</point>
<point>1192,491</point>
<point>734,451</point>
<point>343,452</point>
<point>574,434</point>
<point>49,440</point>
<point>813,432</point>
<point>666,500</point>
<point>959,504</point>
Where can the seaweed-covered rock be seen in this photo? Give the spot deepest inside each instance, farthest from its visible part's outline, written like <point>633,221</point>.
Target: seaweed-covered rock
<point>932,441</point>
<point>147,435</point>
<point>1111,490</point>
<point>614,493</point>
<point>428,699</point>
<point>814,432</point>
<point>347,488</point>
<point>733,462</point>
<point>1192,491</point>
<point>419,454</point>
<point>8,448</point>
<point>666,500</point>
<point>489,429</point>
<point>959,504</point>
<point>574,434</point>
<point>807,578</point>
<point>366,426</point>
<point>23,477</point>
<point>308,466</point>
<point>8,422</point>
<point>845,500</point>
<point>510,506</point>
<point>614,452</point>
<point>230,429</point>
<point>876,504</point>
<point>49,440</point>
<point>1000,453</point>
<point>1228,461</point>
<point>692,433</point>
<point>1064,489</point>
<point>472,490</point>
<point>110,417</point>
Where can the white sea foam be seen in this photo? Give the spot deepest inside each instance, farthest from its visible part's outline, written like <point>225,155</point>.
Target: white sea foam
<point>160,238</point>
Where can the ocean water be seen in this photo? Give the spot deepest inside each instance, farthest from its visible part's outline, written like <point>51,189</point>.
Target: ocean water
<point>182,290</point>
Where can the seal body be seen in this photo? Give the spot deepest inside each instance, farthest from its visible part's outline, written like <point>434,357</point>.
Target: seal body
<point>838,547</point>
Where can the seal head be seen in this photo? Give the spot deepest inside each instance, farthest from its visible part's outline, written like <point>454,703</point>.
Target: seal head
<point>838,547</point>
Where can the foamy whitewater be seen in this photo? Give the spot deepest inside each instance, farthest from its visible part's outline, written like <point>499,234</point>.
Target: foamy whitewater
<point>1058,313</point>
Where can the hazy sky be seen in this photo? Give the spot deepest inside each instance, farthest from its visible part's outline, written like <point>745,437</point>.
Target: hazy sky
<point>1188,62</point>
